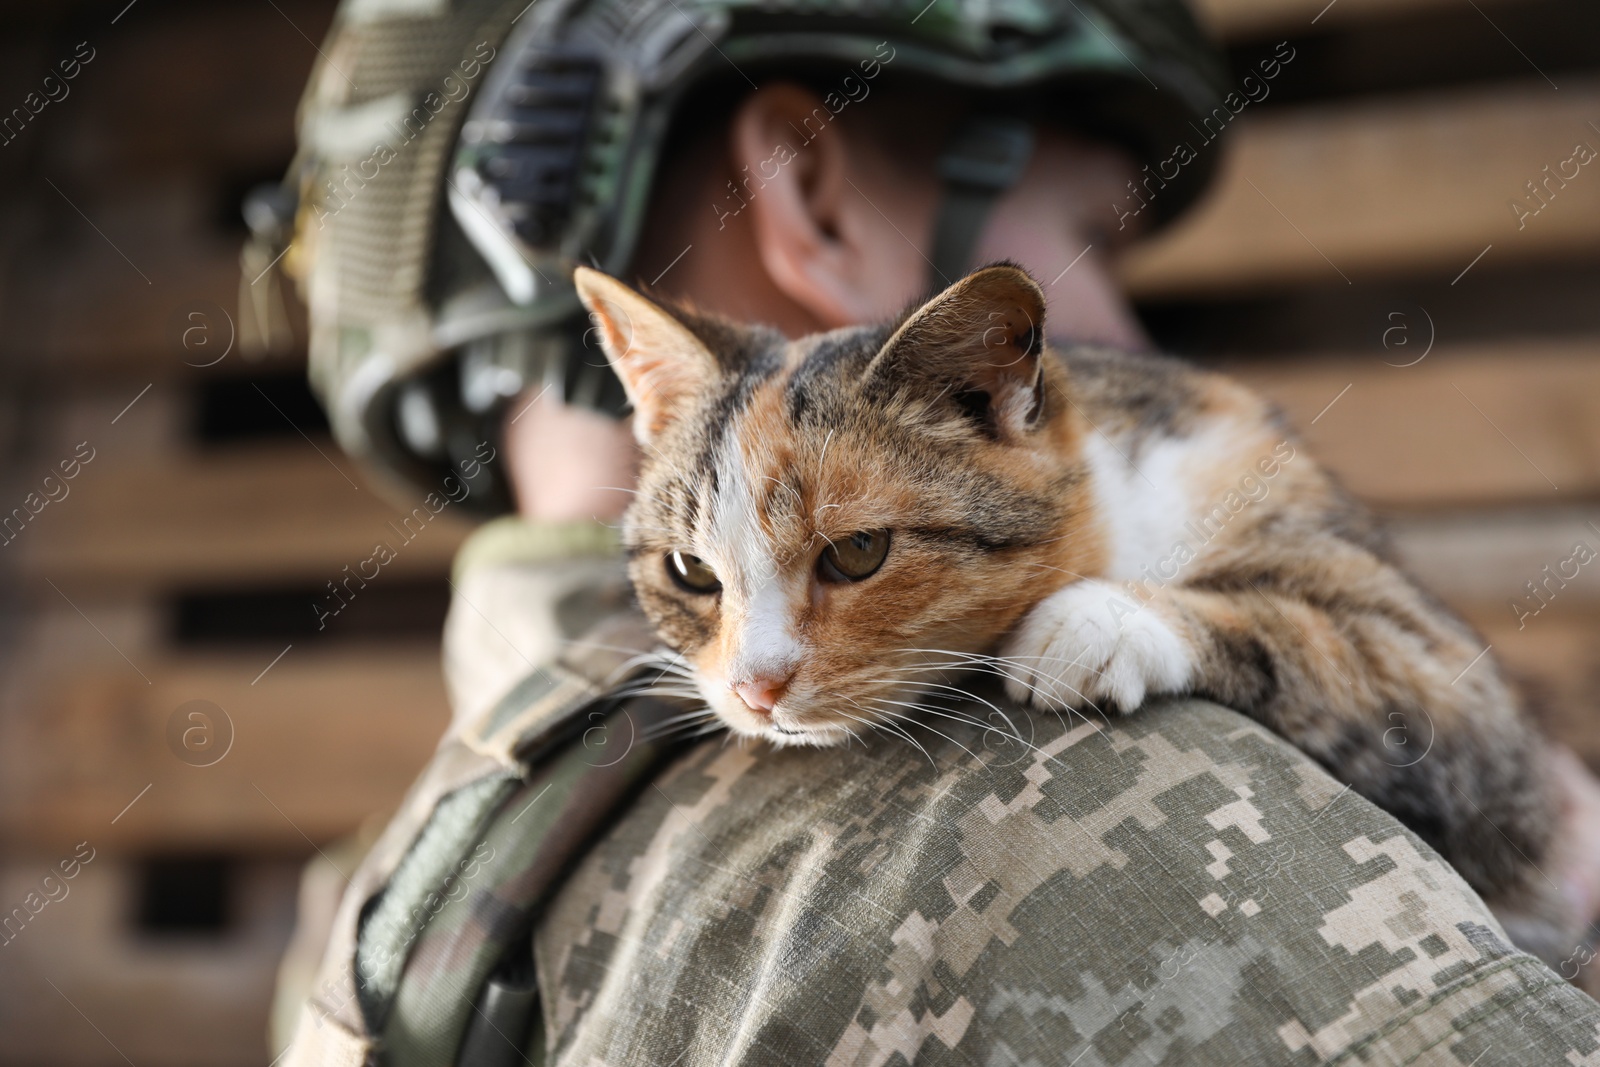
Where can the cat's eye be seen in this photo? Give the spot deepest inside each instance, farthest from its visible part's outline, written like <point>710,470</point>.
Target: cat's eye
<point>850,559</point>
<point>691,573</point>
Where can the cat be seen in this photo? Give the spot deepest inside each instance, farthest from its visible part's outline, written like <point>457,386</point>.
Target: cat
<point>823,526</point>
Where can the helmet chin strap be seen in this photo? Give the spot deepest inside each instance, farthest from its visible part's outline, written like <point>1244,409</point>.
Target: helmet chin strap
<point>984,157</point>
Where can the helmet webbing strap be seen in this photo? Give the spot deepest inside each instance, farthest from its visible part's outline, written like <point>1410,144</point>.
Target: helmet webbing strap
<point>983,158</point>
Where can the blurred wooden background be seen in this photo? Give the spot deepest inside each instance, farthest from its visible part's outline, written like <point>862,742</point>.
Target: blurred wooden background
<point>1359,261</point>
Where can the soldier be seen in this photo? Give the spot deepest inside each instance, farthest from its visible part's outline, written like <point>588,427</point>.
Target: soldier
<point>571,881</point>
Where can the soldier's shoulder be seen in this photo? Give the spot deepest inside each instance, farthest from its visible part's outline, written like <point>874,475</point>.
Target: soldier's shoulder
<point>1180,882</point>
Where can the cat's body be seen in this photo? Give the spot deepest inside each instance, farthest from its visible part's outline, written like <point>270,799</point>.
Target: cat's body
<point>827,528</point>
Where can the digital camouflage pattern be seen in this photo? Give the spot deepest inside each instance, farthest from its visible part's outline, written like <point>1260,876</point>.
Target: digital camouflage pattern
<point>1177,886</point>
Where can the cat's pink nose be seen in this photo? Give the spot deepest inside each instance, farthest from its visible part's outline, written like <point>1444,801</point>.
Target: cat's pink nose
<point>761,694</point>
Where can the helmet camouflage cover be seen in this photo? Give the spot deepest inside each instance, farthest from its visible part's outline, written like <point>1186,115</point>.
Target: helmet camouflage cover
<point>457,158</point>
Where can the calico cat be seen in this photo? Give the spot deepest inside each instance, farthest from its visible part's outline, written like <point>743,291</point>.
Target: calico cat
<point>824,527</point>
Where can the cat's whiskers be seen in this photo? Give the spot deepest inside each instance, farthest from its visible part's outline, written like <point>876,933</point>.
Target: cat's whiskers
<point>653,690</point>
<point>887,727</point>
<point>997,665</point>
<point>662,670</point>
<point>666,661</point>
<point>677,688</point>
<point>683,724</point>
<point>849,734</point>
<point>917,685</point>
<point>986,727</point>
<point>900,720</point>
<point>999,661</point>
<point>696,713</point>
<point>823,455</point>
<point>1062,570</point>
<point>1071,712</point>
<point>1050,540</point>
<point>920,708</point>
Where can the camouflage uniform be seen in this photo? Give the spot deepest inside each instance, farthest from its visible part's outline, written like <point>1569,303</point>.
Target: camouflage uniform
<point>1178,886</point>
<point>1175,887</point>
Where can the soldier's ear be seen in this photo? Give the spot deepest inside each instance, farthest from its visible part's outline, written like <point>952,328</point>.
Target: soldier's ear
<point>662,364</point>
<point>976,349</point>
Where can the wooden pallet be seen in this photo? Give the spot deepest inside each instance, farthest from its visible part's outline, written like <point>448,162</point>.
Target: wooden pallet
<point>1334,194</point>
<point>1356,189</point>
<point>200,999</point>
<point>280,511</point>
<point>1488,425</point>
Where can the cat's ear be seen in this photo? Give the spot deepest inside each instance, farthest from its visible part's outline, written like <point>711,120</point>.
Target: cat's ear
<point>978,345</point>
<point>662,364</point>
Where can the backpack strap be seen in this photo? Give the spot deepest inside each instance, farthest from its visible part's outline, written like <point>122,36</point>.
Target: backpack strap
<point>984,157</point>
<point>523,849</point>
<point>491,824</point>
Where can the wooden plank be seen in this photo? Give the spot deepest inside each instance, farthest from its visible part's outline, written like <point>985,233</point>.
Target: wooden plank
<point>186,1002</point>
<point>136,110</point>
<point>1471,424</point>
<point>1559,654</point>
<point>323,743</point>
<point>320,742</point>
<point>1548,644</point>
<point>157,169</point>
<point>265,513</point>
<point>79,309</point>
<point>1331,194</point>
<point>1485,559</point>
<point>1233,19</point>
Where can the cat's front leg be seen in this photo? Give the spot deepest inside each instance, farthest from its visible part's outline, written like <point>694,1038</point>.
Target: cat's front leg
<point>1089,644</point>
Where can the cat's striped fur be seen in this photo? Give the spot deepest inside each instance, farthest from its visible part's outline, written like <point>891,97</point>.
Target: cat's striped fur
<point>1112,526</point>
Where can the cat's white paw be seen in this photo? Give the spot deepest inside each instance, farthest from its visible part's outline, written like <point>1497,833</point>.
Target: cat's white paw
<point>1089,643</point>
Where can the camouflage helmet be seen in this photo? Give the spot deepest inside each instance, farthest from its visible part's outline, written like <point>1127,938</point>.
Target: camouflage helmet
<point>457,159</point>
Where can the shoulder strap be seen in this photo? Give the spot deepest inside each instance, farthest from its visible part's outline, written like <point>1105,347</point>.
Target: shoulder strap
<point>489,900</point>
<point>984,157</point>
<point>487,828</point>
